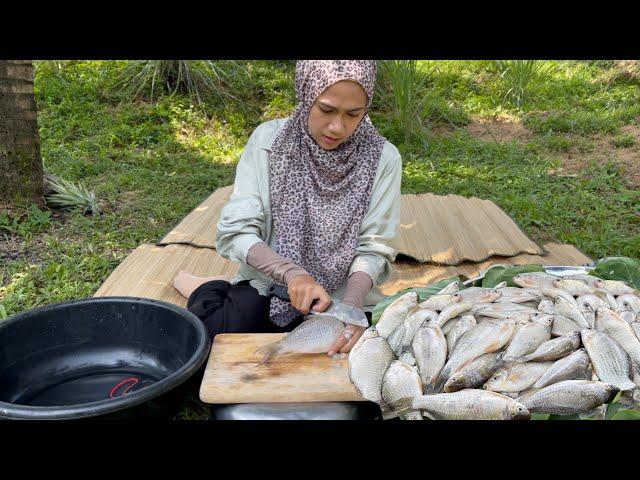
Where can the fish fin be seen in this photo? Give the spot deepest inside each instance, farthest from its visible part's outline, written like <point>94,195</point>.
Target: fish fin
<point>267,352</point>
<point>403,405</point>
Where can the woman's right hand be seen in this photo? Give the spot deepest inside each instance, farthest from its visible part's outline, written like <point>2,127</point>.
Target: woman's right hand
<point>304,290</point>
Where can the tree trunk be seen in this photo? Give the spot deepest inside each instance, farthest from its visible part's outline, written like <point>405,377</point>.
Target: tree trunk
<point>21,180</point>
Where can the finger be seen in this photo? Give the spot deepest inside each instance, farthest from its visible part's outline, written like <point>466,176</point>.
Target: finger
<point>293,296</point>
<point>346,348</point>
<point>323,301</point>
<point>307,300</point>
<point>339,343</point>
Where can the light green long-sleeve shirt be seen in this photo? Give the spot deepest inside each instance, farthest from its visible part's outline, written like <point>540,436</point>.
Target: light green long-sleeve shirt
<point>246,219</point>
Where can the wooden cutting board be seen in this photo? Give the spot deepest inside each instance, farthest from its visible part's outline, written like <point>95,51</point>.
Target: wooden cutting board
<point>233,374</point>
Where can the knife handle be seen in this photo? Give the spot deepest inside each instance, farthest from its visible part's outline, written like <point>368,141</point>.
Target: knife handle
<point>279,291</point>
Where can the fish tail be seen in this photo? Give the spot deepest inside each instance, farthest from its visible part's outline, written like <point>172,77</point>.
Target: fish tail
<point>267,352</point>
<point>396,408</point>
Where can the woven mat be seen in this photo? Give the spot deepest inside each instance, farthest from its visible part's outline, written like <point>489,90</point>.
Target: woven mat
<point>443,230</point>
<point>149,270</point>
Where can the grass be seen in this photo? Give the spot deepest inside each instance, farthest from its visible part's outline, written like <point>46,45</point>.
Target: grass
<point>151,162</point>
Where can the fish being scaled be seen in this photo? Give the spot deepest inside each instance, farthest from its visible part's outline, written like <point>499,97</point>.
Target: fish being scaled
<point>396,313</point>
<point>368,361</point>
<point>315,335</point>
<point>569,397</point>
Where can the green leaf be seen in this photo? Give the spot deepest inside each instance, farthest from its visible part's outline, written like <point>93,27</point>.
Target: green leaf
<point>3,313</point>
<point>626,414</point>
<point>619,268</point>
<point>540,416</point>
<point>423,294</point>
<point>501,273</point>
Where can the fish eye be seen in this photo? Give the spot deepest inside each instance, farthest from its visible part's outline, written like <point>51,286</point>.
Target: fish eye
<point>520,409</point>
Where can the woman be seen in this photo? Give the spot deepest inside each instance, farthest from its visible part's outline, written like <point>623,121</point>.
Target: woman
<point>315,205</point>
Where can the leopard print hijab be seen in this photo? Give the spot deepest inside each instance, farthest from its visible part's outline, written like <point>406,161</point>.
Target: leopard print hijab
<point>319,197</point>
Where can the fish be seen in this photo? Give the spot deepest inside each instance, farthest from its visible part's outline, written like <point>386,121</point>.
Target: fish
<point>479,294</point>
<point>571,311</point>
<point>574,287</point>
<point>475,373</point>
<point>628,301</point>
<point>486,337</point>
<point>316,334</point>
<point>430,351</point>
<point>546,306</point>
<point>554,349</point>
<point>453,311</point>
<point>590,280</point>
<point>571,367</point>
<point>469,404</point>
<point>368,362</point>
<point>452,288</point>
<point>530,336</point>
<point>516,377</point>
<point>609,360</point>
<point>534,280</point>
<point>617,287</point>
<point>396,313</point>
<point>518,295</point>
<point>628,316</point>
<point>590,300</point>
<point>465,323</point>
<point>412,323</point>
<point>569,397</point>
<point>611,323</point>
<point>552,292</point>
<point>439,302</point>
<point>563,325</point>
<point>635,325</point>
<point>400,381</point>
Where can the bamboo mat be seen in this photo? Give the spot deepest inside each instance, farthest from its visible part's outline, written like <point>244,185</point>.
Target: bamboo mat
<point>149,270</point>
<point>199,227</point>
<point>443,230</point>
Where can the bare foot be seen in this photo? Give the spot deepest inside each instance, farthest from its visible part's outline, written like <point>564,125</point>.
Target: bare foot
<point>186,283</point>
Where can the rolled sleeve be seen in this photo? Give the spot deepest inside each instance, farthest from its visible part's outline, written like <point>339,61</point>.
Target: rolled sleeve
<point>374,250</point>
<point>242,221</point>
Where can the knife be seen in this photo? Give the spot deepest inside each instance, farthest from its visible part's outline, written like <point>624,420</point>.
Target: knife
<point>344,313</point>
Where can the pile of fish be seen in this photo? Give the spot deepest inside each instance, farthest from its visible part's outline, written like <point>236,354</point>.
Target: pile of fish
<point>558,345</point>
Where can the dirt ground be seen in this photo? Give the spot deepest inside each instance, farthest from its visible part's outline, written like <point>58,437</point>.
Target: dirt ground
<point>574,160</point>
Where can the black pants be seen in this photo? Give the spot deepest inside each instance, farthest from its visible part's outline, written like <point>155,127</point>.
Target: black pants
<point>227,308</point>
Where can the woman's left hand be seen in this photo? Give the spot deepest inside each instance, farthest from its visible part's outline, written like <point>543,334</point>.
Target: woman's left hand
<point>347,340</point>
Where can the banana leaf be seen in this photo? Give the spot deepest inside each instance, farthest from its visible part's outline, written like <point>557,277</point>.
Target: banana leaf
<point>619,268</point>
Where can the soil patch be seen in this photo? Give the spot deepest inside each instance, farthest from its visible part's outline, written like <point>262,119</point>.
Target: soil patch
<point>499,130</point>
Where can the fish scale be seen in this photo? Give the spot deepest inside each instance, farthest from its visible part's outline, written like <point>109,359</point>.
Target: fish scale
<point>470,405</point>
<point>368,362</point>
<point>569,397</point>
<point>401,381</point>
<point>610,362</point>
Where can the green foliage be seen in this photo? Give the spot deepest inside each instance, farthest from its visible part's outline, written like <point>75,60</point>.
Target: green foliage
<point>67,195</point>
<point>28,224</point>
<point>518,77</point>
<point>399,91</point>
<point>196,78</point>
<point>619,268</point>
<point>624,141</point>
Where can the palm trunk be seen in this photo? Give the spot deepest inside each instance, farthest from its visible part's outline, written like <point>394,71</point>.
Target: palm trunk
<point>21,179</point>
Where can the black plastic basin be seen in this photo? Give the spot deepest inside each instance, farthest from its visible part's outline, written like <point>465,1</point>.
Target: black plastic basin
<point>108,357</point>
